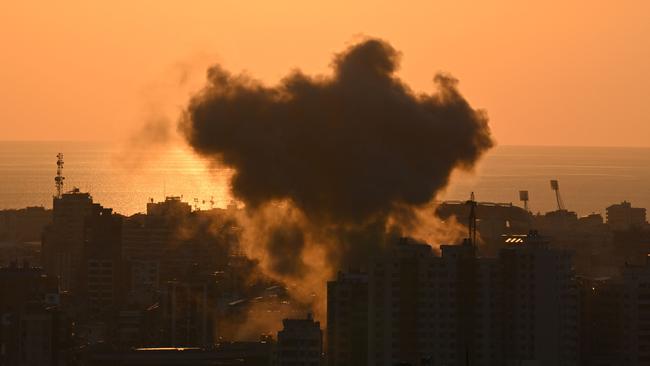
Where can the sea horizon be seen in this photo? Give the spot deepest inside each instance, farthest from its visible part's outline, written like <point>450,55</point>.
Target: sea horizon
<point>591,177</point>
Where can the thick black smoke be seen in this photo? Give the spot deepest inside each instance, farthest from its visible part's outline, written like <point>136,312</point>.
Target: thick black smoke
<point>347,150</point>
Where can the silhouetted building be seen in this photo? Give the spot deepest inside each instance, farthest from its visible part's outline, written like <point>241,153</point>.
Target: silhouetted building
<point>592,220</point>
<point>601,322</point>
<point>520,307</point>
<point>30,337</point>
<point>636,306</point>
<point>347,320</point>
<point>20,285</point>
<point>138,327</point>
<point>539,303</point>
<point>149,237</point>
<point>428,308</point>
<point>300,342</point>
<point>24,225</point>
<point>171,207</point>
<point>188,312</point>
<point>556,223</point>
<point>31,326</point>
<point>623,216</point>
<point>171,240</point>
<point>493,220</point>
<point>103,271</point>
<point>63,240</point>
<point>143,278</point>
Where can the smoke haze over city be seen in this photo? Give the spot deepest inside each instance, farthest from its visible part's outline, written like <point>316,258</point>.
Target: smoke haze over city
<point>348,151</point>
<point>348,183</point>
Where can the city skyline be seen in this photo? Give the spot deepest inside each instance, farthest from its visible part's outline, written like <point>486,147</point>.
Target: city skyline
<point>254,183</point>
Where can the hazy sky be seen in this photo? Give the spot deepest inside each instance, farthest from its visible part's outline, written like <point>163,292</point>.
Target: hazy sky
<point>548,72</point>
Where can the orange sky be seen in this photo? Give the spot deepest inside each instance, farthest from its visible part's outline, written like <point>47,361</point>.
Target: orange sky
<point>547,72</point>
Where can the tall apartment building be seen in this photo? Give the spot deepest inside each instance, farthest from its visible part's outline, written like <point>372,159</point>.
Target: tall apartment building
<point>615,318</point>
<point>188,310</point>
<point>623,216</point>
<point>148,236</point>
<point>142,280</point>
<point>103,271</point>
<point>428,309</point>
<point>539,303</point>
<point>30,322</point>
<point>63,241</point>
<point>300,342</point>
<point>171,238</point>
<point>347,320</point>
<point>602,340</point>
<point>458,308</point>
<point>636,310</point>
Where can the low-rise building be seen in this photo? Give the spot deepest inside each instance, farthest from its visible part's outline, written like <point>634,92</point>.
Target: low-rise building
<point>300,342</point>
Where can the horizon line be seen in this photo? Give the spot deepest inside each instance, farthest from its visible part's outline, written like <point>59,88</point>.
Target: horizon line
<point>497,145</point>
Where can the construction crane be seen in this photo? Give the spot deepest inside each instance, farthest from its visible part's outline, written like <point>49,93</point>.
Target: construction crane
<point>523,196</point>
<point>472,218</point>
<point>58,180</point>
<point>555,186</point>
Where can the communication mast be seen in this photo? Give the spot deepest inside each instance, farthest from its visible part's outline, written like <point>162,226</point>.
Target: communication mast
<point>58,180</point>
<point>196,204</point>
<point>523,196</point>
<point>555,186</point>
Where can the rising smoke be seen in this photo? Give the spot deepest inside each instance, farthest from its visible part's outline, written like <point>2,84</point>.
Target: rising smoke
<point>333,166</point>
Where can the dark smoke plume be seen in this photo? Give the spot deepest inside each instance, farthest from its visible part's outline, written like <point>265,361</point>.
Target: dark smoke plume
<point>350,151</point>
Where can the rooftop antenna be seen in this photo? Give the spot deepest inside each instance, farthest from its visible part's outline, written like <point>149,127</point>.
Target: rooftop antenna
<point>472,219</point>
<point>523,196</point>
<point>555,186</point>
<point>58,180</point>
<point>196,204</point>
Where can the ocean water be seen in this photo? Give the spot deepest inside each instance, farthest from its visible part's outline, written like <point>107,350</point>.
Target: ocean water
<point>591,178</point>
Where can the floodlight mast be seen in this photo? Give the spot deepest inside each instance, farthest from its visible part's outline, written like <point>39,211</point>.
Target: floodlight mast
<point>555,186</point>
<point>523,196</point>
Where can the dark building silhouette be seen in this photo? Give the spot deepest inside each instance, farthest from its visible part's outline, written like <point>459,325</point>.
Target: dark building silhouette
<point>151,243</point>
<point>347,320</point>
<point>424,308</point>
<point>493,220</point>
<point>623,216</point>
<point>167,243</point>
<point>517,308</point>
<point>615,318</point>
<point>300,342</point>
<point>602,322</point>
<point>188,309</point>
<point>636,308</point>
<point>63,240</point>
<point>24,225</point>
<point>539,302</point>
<point>83,249</point>
<point>32,328</point>
<point>103,272</point>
